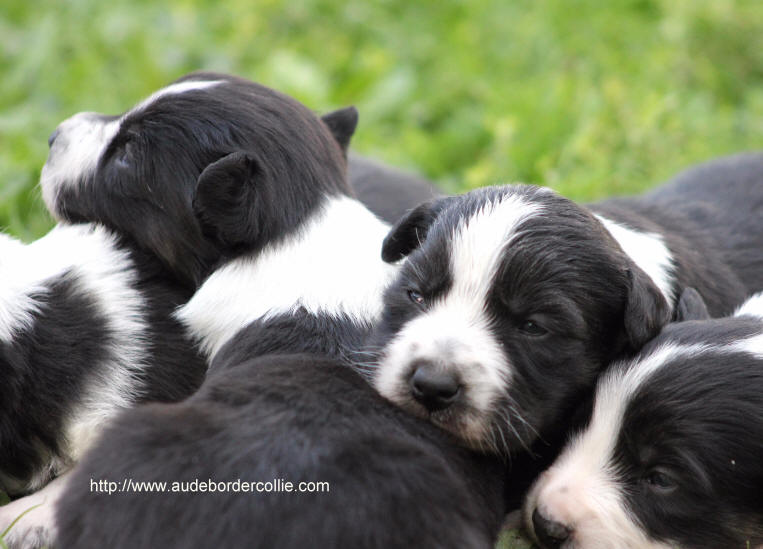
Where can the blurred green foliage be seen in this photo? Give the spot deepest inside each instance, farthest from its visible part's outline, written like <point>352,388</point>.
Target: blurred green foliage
<point>589,97</point>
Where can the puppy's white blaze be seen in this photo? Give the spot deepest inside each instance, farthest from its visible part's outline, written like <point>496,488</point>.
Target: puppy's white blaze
<point>478,243</point>
<point>455,332</point>
<point>332,266</point>
<point>649,252</point>
<point>581,488</point>
<point>105,274</point>
<point>175,89</point>
<point>75,153</point>
<point>752,307</point>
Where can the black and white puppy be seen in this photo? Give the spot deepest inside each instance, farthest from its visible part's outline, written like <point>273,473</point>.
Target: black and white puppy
<point>115,169</point>
<point>145,172</point>
<point>392,480</point>
<point>297,270</point>
<point>512,299</point>
<point>673,454</point>
<point>86,330</point>
<point>144,176</point>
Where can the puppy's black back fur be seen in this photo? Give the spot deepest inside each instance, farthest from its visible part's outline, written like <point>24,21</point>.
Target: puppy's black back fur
<point>711,217</point>
<point>394,480</point>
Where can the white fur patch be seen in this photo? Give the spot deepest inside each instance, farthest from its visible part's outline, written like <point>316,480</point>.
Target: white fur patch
<point>649,252</point>
<point>455,332</point>
<point>105,274</point>
<point>752,307</point>
<point>174,89</point>
<point>75,153</point>
<point>580,490</point>
<point>16,309</point>
<point>83,138</point>
<point>332,265</point>
<point>37,526</point>
<point>752,345</point>
<point>449,338</point>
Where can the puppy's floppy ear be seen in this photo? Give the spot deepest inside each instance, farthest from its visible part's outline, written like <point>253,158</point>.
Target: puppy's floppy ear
<point>691,306</point>
<point>646,310</point>
<point>411,230</point>
<point>342,124</point>
<point>223,201</point>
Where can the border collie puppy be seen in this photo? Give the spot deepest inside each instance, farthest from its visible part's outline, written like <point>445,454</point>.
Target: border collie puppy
<point>394,480</point>
<point>86,330</point>
<point>298,270</point>
<point>511,299</point>
<point>141,175</point>
<point>114,169</point>
<point>673,454</point>
<point>144,172</point>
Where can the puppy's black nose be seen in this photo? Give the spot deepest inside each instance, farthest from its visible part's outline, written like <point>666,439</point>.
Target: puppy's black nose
<point>434,387</point>
<point>52,137</point>
<point>550,534</point>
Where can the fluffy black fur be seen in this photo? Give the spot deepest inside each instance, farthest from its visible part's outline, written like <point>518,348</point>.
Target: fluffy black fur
<point>388,192</point>
<point>395,481</point>
<point>285,168</point>
<point>687,455</point>
<point>259,136</point>
<point>47,366</point>
<point>566,300</point>
<point>699,419</point>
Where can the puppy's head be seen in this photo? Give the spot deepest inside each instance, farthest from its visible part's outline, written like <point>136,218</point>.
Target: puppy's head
<point>207,166</point>
<point>672,454</point>
<point>509,302</point>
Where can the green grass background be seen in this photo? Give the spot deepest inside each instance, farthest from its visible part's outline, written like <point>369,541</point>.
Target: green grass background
<point>593,98</point>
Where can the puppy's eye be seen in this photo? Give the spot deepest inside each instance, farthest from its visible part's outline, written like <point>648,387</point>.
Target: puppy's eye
<point>532,328</point>
<point>416,297</point>
<point>659,480</point>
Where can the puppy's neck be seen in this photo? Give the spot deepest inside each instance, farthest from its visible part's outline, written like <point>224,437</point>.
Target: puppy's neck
<point>332,265</point>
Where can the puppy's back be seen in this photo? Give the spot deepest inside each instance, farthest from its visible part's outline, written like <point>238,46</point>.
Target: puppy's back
<point>392,480</point>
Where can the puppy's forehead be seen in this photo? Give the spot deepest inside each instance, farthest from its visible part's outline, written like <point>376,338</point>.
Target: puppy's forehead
<point>485,218</point>
<point>479,227</point>
<point>480,237</point>
<point>693,350</point>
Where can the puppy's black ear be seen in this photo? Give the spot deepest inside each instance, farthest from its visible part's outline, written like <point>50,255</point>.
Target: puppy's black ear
<point>225,192</point>
<point>411,230</point>
<point>691,306</point>
<point>342,124</point>
<point>646,310</point>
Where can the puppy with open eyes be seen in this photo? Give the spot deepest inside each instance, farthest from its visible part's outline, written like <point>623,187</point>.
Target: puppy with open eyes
<point>252,201</point>
<point>673,454</point>
<point>512,299</point>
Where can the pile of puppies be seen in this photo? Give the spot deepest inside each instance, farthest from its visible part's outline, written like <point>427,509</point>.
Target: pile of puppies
<point>218,302</point>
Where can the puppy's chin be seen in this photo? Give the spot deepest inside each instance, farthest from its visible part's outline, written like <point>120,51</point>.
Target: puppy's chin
<point>469,428</point>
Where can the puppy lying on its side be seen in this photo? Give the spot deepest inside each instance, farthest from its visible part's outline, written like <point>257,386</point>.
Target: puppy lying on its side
<point>673,455</point>
<point>86,330</point>
<point>297,271</point>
